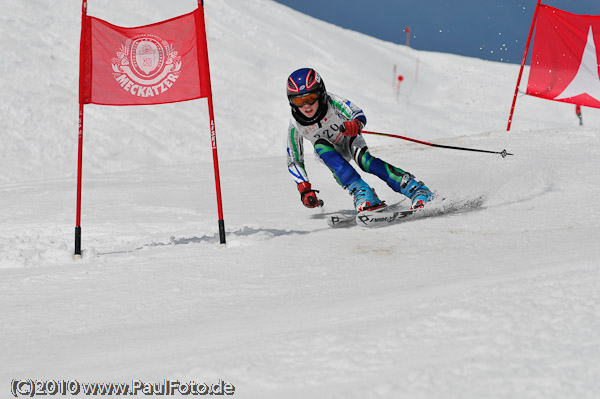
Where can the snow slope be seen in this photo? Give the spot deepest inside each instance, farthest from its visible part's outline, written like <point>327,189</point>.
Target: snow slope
<point>497,303</point>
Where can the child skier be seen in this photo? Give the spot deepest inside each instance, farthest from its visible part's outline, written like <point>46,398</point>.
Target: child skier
<point>333,125</point>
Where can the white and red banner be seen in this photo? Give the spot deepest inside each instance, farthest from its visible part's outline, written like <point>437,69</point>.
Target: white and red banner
<point>565,57</point>
<point>160,63</point>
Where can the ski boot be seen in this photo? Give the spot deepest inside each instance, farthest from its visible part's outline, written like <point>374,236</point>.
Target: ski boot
<point>416,191</point>
<point>365,198</point>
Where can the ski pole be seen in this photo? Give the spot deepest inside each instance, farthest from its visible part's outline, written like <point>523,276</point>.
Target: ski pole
<point>503,152</point>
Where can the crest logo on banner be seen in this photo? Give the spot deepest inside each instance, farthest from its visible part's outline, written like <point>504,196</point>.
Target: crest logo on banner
<point>146,66</point>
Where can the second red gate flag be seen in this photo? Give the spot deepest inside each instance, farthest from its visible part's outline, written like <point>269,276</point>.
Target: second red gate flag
<point>565,58</point>
<point>154,64</point>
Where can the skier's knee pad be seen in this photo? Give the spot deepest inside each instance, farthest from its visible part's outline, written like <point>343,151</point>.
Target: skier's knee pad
<point>386,172</point>
<point>363,159</point>
<point>342,170</point>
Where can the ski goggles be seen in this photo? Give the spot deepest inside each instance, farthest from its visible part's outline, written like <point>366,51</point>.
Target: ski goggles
<point>309,99</point>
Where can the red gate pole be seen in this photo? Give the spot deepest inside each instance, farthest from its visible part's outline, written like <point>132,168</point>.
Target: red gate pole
<point>77,252</point>
<point>213,139</point>
<point>512,108</point>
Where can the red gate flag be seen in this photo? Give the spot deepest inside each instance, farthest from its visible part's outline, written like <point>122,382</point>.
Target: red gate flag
<point>565,58</point>
<point>159,63</point>
<point>154,64</point>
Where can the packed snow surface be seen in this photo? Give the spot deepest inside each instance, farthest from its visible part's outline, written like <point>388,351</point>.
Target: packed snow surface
<point>500,302</point>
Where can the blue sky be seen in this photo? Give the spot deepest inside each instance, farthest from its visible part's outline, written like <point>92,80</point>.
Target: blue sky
<point>493,30</point>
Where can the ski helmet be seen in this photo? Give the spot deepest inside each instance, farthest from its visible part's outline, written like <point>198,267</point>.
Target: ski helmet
<point>302,82</point>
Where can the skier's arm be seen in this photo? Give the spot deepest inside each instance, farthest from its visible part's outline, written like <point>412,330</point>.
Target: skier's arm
<point>348,108</point>
<point>356,117</point>
<point>295,158</point>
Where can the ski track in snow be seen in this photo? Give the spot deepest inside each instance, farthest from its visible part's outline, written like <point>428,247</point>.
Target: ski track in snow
<point>502,302</point>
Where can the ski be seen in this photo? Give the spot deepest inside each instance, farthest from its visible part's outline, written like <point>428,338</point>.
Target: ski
<point>386,218</point>
<point>348,218</point>
<point>383,218</point>
<point>339,219</point>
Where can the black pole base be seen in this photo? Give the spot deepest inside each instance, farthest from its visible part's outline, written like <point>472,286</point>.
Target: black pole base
<point>222,232</point>
<point>77,254</point>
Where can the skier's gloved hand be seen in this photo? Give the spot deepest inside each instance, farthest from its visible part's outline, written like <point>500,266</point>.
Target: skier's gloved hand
<point>351,128</point>
<point>308,195</point>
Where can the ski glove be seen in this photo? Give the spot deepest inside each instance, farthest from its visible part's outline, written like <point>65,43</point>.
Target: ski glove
<point>307,195</point>
<point>351,128</point>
